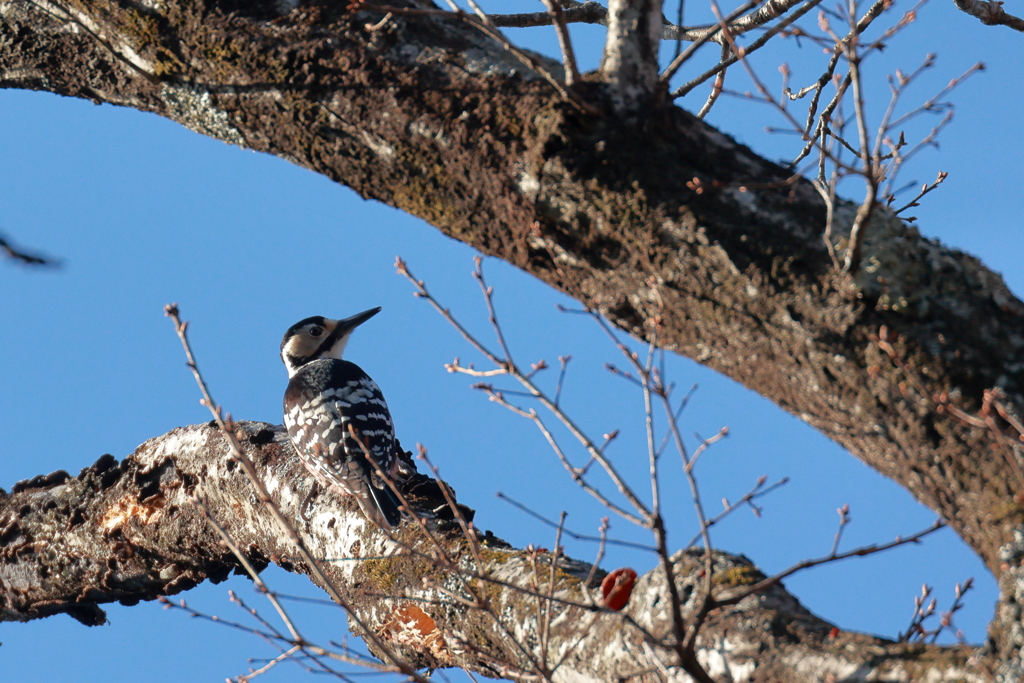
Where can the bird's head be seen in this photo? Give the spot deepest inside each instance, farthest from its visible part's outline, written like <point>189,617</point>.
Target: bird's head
<point>319,337</point>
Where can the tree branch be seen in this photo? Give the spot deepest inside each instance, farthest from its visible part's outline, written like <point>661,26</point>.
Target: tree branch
<point>19,255</point>
<point>591,12</point>
<point>129,531</point>
<point>630,63</point>
<point>990,12</point>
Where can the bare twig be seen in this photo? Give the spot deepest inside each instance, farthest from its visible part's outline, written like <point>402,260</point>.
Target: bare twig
<point>753,47</point>
<point>563,362</point>
<point>251,571</point>
<point>283,522</point>
<point>492,317</point>
<point>857,231</point>
<point>838,50</point>
<point>946,621</point>
<point>287,654</point>
<point>731,598</point>
<point>589,12</point>
<point>716,87</point>
<point>536,393</point>
<point>747,499</point>
<point>277,639</point>
<point>602,539</point>
<point>552,574</point>
<point>572,74</point>
<point>603,531</point>
<point>269,636</point>
<point>19,255</point>
<point>844,519</point>
<point>921,612</point>
<point>925,189</point>
<point>710,34</point>
<point>576,475</point>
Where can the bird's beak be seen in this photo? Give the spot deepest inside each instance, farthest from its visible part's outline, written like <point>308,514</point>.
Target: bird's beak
<point>348,324</point>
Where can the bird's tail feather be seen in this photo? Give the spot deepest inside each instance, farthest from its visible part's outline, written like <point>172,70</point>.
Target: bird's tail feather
<point>378,503</point>
<point>381,506</point>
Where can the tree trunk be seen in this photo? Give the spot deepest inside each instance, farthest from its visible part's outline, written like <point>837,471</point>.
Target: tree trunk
<point>663,224</point>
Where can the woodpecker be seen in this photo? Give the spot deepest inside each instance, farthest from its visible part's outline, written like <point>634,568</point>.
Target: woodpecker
<point>325,397</point>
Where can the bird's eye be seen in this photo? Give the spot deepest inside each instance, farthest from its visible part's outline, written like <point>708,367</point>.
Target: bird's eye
<point>315,331</point>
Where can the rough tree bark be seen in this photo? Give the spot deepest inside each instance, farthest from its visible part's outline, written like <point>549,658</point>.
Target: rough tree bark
<point>129,531</point>
<point>657,217</point>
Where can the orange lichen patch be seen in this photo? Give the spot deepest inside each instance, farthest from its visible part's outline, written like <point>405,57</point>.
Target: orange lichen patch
<point>617,587</point>
<point>128,508</point>
<point>410,626</point>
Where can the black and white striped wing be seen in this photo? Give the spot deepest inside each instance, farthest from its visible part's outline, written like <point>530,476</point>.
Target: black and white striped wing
<point>325,402</point>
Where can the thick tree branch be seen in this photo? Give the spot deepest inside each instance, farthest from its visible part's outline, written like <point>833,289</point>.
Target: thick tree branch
<point>990,13</point>
<point>630,62</point>
<point>129,531</point>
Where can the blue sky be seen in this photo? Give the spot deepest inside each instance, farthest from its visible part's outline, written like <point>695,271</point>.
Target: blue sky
<point>144,212</point>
